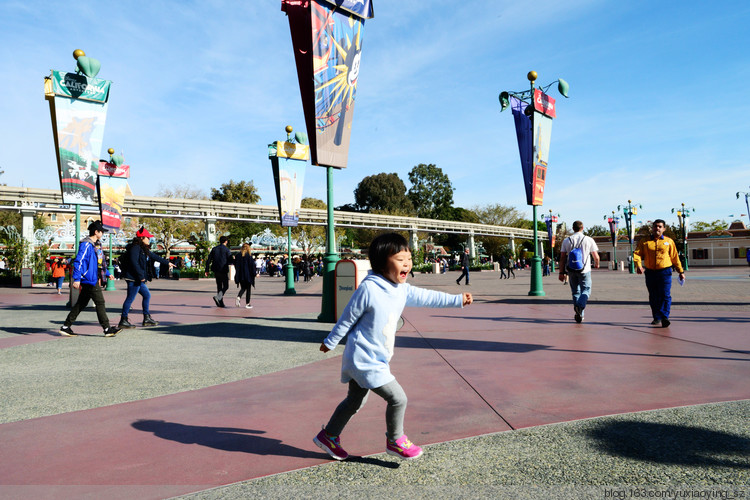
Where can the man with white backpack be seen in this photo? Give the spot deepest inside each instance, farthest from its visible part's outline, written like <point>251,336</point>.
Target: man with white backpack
<point>576,265</point>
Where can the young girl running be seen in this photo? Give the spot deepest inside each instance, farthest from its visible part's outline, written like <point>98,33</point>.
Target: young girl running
<point>371,318</point>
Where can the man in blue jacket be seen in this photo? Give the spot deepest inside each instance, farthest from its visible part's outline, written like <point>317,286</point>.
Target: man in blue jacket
<point>86,279</point>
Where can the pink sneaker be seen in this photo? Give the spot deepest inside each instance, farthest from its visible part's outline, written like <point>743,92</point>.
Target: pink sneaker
<point>403,448</point>
<point>331,445</point>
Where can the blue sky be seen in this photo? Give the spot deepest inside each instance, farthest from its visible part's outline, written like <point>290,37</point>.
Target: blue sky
<point>657,111</point>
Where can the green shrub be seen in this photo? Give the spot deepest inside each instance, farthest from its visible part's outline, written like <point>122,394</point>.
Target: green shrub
<point>422,268</point>
<point>191,273</point>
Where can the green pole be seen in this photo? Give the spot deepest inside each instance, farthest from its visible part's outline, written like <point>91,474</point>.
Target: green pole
<point>327,308</point>
<point>536,263</point>
<point>614,240</point>
<point>111,267</point>
<point>78,229</point>
<point>75,253</point>
<point>289,266</point>
<point>629,218</point>
<point>614,246</point>
<point>685,238</point>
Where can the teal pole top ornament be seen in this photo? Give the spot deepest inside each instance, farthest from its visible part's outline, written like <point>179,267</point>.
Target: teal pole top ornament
<point>299,137</point>
<point>87,66</point>
<point>527,96</point>
<point>115,159</point>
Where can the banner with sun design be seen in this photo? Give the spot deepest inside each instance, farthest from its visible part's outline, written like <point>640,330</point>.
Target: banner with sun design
<point>327,41</point>
<point>78,107</point>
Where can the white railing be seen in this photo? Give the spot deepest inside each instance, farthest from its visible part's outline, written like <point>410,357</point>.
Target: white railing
<point>49,200</point>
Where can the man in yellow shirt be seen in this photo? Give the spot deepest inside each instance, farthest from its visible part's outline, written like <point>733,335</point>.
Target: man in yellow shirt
<point>658,254</point>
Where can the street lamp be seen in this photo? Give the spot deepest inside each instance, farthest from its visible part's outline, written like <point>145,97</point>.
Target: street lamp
<point>533,111</point>
<point>613,221</point>
<point>747,205</point>
<point>629,211</point>
<point>683,216</point>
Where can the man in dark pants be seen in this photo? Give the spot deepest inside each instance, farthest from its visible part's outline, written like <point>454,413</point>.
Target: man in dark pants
<point>218,261</point>
<point>86,279</point>
<point>658,255</point>
<point>503,263</point>
<point>465,262</point>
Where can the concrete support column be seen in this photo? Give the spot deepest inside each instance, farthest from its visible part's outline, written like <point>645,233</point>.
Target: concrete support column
<point>27,233</point>
<point>211,230</point>
<point>472,246</point>
<point>512,241</point>
<point>413,240</point>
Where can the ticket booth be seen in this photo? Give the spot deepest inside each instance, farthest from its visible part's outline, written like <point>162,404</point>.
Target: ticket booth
<point>348,275</point>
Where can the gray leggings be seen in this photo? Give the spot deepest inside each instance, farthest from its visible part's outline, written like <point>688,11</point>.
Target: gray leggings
<point>357,397</point>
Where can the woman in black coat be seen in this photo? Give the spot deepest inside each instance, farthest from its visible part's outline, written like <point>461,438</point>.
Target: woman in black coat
<point>244,265</point>
<point>137,263</point>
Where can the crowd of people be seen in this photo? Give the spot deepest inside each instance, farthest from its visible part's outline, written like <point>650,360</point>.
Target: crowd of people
<point>655,257</point>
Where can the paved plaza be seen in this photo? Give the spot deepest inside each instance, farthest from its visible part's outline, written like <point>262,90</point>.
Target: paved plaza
<point>509,397</point>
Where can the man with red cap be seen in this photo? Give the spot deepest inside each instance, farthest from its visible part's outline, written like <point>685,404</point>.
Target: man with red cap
<point>137,265</point>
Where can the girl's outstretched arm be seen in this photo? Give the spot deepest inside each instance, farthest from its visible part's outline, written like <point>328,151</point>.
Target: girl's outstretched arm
<point>422,297</point>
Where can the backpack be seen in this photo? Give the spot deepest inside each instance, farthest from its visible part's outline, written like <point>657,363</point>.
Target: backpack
<point>125,259</point>
<point>576,261</point>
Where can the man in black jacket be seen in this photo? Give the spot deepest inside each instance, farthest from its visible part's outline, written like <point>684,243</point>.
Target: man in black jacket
<point>218,261</point>
<point>465,262</point>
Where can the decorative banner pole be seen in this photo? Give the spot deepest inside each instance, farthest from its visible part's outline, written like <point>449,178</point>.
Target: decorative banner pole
<point>111,187</point>
<point>683,217</point>
<point>288,160</point>
<point>78,107</point>
<point>327,43</point>
<point>551,222</point>
<point>747,204</point>
<point>533,111</point>
<point>629,212</point>
<point>613,221</point>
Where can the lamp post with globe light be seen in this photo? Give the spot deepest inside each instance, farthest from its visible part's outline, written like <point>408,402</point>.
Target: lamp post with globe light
<point>629,211</point>
<point>613,221</point>
<point>533,111</point>
<point>683,216</point>
<point>551,222</point>
<point>747,204</point>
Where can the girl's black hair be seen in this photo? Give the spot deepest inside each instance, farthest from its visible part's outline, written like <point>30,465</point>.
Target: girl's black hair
<point>382,247</point>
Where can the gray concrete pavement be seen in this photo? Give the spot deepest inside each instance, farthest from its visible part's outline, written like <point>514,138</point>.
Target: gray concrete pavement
<point>197,345</point>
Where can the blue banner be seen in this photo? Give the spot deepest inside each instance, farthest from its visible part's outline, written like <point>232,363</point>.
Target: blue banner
<point>525,136</point>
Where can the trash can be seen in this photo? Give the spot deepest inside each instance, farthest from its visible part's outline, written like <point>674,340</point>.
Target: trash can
<point>27,277</point>
<point>435,268</point>
<point>348,275</point>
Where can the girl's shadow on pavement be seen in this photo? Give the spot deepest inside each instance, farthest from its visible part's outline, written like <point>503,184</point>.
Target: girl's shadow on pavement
<point>240,440</point>
<point>223,438</point>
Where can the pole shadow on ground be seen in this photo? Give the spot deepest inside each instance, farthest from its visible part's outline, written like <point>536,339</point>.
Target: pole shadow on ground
<point>672,444</point>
